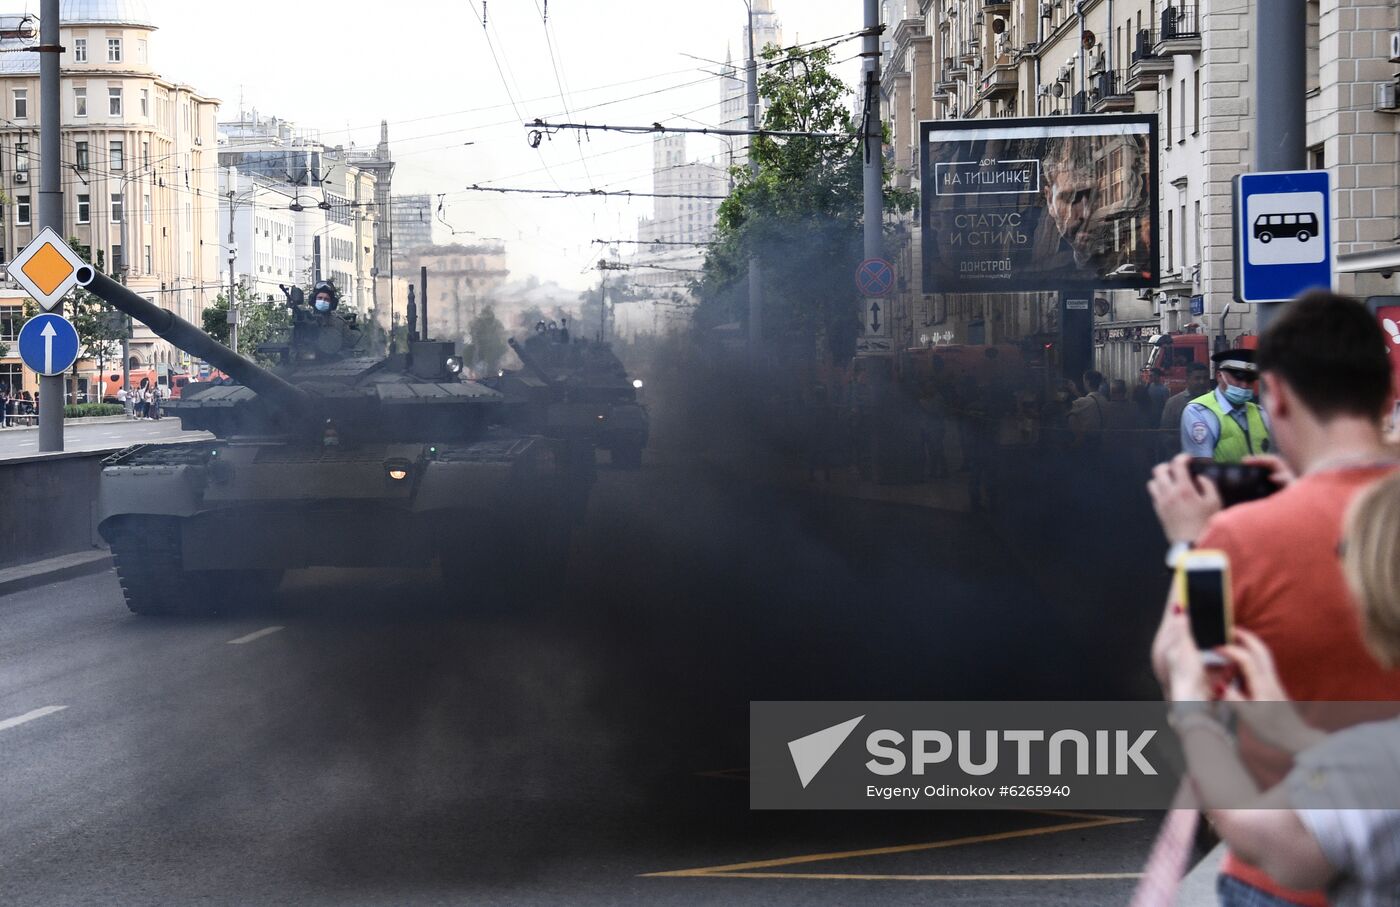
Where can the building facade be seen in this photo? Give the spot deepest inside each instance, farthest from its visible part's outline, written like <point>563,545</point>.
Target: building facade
<point>327,197</point>
<point>1189,64</point>
<point>139,171</point>
<point>461,282</point>
<point>412,223</point>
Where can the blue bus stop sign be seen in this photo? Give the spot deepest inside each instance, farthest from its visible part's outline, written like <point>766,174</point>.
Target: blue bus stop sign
<point>48,344</point>
<point>1283,234</point>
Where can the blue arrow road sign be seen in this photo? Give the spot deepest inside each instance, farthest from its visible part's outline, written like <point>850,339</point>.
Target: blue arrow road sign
<point>1283,234</point>
<point>48,344</point>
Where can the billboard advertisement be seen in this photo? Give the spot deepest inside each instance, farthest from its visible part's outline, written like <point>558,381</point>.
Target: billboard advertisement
<point>1040,204</point>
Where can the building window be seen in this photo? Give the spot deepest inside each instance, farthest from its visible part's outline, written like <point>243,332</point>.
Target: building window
<point>114,101</point>
<point>117,208</point>
<point>1167,109</point>
<point>114,155</point>
<point>1171,233</point>
<point>80,50</point>
<point>79,100</point>
<point>118,263</point>
<point>22,209</point>
<point>149,269</point>
<point>146,207</point>
<point>145,102</point>
<point>145,155</point>
<point>114,50</point>
<point>81,155</point>
<point>1317,157</point>
<point>1199,229</point>
<point>1196,110</point>
<point>21,157</point>
<point>1182,99</point>
<point>84,209</point>
<point>21,103</point>
<point>1182,224</point>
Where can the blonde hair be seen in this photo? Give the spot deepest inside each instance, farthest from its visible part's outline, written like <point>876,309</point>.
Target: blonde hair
<point>1372,565</point>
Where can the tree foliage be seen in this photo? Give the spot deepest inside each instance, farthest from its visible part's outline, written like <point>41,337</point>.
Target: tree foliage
<point>260,321</point>
<point>800,214</point>
<point>100,327</point>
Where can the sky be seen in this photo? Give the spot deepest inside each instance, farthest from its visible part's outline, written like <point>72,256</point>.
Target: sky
<point>427,67</point>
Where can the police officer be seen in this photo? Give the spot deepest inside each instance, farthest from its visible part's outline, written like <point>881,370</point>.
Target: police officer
<point>1226,424</point>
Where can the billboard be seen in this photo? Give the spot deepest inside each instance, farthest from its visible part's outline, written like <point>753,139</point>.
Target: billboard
<point>1048,203</point>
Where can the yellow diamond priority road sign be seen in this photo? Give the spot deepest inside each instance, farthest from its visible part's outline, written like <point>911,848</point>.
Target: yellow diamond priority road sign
<point>47,269</point>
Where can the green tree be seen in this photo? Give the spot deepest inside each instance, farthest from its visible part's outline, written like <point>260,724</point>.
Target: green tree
<point>100,327</point>
<point>486,346</point>
<point>801,214</point>
<point>260,321</point>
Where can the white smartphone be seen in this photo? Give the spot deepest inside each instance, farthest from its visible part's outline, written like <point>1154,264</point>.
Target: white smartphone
<point>1205,591</point>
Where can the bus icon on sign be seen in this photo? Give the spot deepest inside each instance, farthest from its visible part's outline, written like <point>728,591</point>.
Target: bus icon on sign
<point>1301,227</point>
<point>1286,228</point>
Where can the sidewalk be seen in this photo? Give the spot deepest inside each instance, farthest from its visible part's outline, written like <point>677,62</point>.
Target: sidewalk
<point>53,570</point>
<point>85,420</point>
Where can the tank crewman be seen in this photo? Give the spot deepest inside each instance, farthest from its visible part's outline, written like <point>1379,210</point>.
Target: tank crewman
<point>1226,424</point>
<point>324,298</point>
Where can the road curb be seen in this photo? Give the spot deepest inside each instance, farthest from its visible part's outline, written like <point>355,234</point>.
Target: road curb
<point>53,570</point>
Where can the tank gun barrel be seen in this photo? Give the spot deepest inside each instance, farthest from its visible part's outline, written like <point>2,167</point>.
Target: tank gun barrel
<point>530,363</point>
<point>185,336</point>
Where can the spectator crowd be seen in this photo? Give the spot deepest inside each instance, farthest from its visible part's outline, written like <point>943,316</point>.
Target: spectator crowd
<point>1314,578</point>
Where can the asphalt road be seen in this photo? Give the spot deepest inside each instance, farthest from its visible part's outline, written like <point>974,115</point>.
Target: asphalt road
<point>23,442</point>
<point>366,738</point>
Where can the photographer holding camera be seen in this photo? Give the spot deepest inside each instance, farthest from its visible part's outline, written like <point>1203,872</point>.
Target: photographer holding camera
<point>1325,377</point>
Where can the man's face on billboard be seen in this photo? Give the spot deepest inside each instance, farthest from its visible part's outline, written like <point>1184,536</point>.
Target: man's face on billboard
<point>1071,197</point>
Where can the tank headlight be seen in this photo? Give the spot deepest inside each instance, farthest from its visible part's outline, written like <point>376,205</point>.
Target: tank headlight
<point>637,383</point>
<point>397,470</point>
<point>454,364</point>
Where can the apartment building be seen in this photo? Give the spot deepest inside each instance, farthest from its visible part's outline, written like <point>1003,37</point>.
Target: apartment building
<point>139,174</point>
<point>1190,65</point>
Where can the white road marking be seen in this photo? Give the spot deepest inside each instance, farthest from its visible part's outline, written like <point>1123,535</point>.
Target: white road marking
<point>30,716</point>
<point>265,631</point>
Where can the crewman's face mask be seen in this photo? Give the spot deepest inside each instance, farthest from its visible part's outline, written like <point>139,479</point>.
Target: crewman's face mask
<point>323,305</point>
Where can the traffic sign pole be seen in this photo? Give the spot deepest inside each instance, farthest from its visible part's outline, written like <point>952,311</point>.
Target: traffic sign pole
<point>51,395</point>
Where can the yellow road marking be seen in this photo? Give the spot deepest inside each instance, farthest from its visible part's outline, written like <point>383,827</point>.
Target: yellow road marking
<point>863,877</point>
<point>744,870</point>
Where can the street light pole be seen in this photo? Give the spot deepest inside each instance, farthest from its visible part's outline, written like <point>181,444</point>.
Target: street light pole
<point>232,285</point>
<point>51,388</point>
<point>755,267</point>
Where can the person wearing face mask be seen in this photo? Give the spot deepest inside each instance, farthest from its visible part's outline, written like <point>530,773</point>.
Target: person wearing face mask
<point>324,298</point>
<point>1226,424</point>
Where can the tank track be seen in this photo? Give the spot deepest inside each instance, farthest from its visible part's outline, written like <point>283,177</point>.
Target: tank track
<point>146,553</point>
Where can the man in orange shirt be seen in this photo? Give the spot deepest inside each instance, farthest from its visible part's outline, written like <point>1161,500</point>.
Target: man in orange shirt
<point>1325,381</point>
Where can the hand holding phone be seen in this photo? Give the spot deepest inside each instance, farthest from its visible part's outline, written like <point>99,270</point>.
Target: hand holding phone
<point>1203,579</point>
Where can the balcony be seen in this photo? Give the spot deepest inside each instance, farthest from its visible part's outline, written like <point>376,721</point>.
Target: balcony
<point>1109,93</point>
<point>999,83</point>
<point>947,78</point>
<point>970,52</point>
<point>996,6</point>
<point>1180,32</point>
<point>1147,65</point>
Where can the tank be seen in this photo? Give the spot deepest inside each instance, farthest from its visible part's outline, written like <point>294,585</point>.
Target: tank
<point>335,458</point>
<point>586,391</point>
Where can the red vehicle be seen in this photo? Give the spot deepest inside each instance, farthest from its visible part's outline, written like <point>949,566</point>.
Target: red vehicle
<point>176,381</point>
<point>1174,352</point>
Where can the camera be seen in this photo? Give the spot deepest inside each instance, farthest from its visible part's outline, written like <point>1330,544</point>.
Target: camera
<point>1236,482</point>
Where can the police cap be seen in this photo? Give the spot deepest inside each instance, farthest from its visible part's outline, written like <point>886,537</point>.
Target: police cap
<point>1239,360</point>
